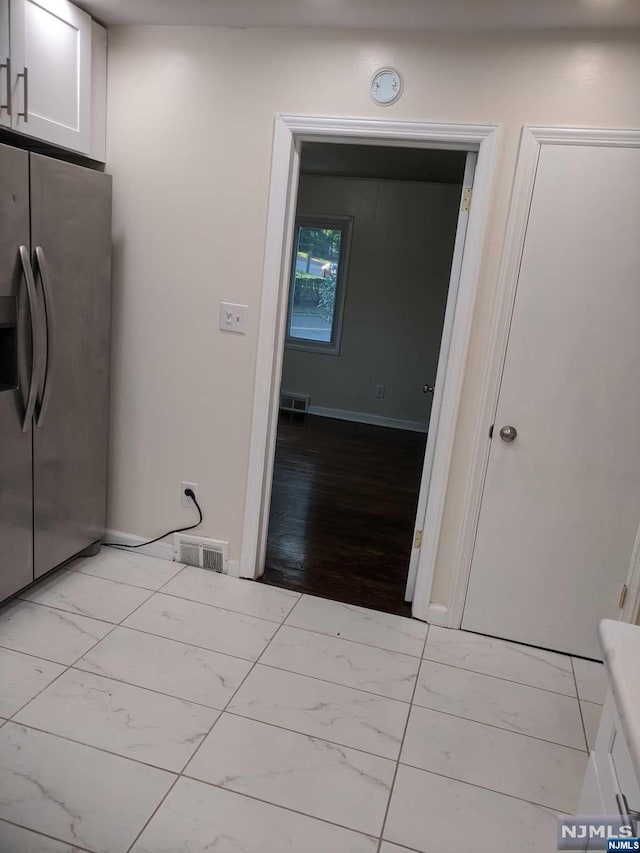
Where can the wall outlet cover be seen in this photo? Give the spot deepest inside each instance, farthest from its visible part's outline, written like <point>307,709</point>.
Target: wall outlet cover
<point>184,500</point>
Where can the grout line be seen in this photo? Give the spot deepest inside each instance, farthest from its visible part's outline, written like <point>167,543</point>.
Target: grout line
<point>160,591</point>
<point>126,627</point>
<point>555,809</point>
<point>62,610</point>
<point>399,846</point>
<point>255,663</point>
<point>279,806</point>
<point>73,844</point>
<point>319,738</point>
<point>501,728</point>
<point>35,657</point>
<point>501,678</point>
<point>339,683</point>
<point>121,582</point>
<point>357,642</point>
<point>77,668</point>
<point>339,638</point>
<point>173,640</point>
<point>181,566</point>
<point>248,673</point>
<point>122,625</point>
<point>218,606</point>
<point>232,713</point>
<point>152,815</point>
<point>73,662</point>
<point>397,767</point>
<point>179,572</point>
<point>584,728</point>
<point>104,749</point>
<point>415,704</point>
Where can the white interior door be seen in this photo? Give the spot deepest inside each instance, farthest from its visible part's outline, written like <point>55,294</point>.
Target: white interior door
<point>52,40</point>
<point>447,328</point>
<point>561,502</point>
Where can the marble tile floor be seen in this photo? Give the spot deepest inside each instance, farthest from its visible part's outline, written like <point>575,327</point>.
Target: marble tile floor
<point>155,708</point>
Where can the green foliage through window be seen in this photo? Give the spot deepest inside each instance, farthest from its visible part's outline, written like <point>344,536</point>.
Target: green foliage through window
<point>313,303</point>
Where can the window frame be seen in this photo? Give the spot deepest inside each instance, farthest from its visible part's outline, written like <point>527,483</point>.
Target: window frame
<point>333,222</point>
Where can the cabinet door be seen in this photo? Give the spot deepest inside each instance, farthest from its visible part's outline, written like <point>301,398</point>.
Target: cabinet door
<point>51,70</point>
<point>5,79</point>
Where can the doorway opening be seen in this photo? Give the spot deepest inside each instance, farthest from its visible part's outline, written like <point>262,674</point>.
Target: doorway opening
<point>480,144</point>
<point>369,289</point>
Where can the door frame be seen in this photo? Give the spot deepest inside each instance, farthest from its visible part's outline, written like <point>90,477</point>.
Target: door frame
<point>531,142</point>
<point>438,382</point>
<point>289,132</point>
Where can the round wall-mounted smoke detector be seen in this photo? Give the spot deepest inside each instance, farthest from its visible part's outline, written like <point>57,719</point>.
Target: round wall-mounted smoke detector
<point>386,86</point>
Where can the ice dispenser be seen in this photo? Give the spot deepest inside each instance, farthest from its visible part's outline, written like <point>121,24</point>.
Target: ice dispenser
<point>8,344</point>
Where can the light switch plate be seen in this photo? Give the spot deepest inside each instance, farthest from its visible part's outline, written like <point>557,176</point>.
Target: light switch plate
<point>233,318</point>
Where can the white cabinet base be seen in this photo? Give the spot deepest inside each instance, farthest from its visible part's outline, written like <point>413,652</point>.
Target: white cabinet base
<point>610,772</point>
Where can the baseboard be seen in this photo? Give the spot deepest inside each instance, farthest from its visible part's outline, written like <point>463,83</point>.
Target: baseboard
<point>366,418</point>
<point>163,550</point>
<point>437,615</point>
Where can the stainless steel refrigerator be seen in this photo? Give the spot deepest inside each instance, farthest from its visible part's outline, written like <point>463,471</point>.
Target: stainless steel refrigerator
<point>55,297</point>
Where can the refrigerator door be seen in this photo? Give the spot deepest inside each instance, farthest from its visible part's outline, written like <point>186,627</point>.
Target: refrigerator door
<point>16,558</point>
<point>71,243</point>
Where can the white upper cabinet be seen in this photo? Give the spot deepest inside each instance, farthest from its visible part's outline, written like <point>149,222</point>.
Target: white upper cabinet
<point>51,70</point>
<point>5,66</point>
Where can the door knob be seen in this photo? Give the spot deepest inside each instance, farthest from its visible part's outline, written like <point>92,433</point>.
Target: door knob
<point>428,389</point>
<point>508,434</point>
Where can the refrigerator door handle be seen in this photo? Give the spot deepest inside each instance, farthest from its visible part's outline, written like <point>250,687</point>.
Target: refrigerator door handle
<point>33,308</point>
<point>48,312</point>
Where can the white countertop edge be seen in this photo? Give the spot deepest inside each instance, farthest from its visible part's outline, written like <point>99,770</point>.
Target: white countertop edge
<point>620,643</point>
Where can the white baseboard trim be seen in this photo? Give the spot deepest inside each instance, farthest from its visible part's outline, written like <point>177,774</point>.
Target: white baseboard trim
<point>163,550</point>
<point>437,615</point>
<point>366,418</point>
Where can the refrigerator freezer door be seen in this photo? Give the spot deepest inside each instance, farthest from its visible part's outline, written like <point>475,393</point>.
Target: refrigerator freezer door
<point>71,242</point>
<point>16,558</point>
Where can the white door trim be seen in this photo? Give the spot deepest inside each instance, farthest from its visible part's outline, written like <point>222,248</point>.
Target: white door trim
<point>631,609</point>
<point>438,381</point>
<point>532,140</point>
<point>289,132</point>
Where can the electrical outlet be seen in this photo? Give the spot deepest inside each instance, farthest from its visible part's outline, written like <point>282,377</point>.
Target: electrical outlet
<point>379,392</point>
<point>184,500</point>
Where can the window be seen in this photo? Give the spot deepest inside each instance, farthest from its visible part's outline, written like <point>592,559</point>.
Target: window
<point>318,280</point>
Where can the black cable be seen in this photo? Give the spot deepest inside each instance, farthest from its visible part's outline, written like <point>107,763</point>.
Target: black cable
<point>190,494</point>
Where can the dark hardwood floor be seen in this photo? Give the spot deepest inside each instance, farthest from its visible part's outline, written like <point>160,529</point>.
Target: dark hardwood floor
<point>343,510</point>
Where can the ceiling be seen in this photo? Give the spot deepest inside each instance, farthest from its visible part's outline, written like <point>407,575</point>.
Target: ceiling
<point>377,161</point>
<point>372,14</point>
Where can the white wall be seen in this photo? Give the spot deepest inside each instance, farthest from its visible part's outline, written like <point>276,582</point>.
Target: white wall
<point>190,123</point>
<point>398,277</point>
